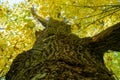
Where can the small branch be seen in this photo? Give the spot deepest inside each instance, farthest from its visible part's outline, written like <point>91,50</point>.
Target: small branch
<point>114,5</point>
<point>36,16</point>
<point>116,10</point>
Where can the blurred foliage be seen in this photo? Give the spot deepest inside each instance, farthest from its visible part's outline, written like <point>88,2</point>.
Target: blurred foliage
<point>90,17</point>
<point>87,17</point>
<point>17,33</point>
<point>112,59</point>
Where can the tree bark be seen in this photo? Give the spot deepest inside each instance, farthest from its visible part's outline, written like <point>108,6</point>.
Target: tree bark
<point>60,55</point>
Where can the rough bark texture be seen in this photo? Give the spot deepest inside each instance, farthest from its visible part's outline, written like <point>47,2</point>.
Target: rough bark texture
<point>60,55</point>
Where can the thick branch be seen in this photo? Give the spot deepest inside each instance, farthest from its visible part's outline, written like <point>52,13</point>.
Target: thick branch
<point>108,39</point>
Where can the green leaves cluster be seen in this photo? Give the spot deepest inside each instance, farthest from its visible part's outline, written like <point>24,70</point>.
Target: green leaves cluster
<point>112,61</point>
<point>17,32</point>
<point>91,17</point>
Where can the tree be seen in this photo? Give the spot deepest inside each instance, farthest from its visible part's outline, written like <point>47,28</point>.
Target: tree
<point>60,55</point>
<point>82,17</point>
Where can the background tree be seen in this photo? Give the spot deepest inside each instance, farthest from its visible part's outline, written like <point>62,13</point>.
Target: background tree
<point>86,18</point>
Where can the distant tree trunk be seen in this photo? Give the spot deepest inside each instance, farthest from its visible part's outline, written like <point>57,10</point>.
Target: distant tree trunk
<point>60,55</point>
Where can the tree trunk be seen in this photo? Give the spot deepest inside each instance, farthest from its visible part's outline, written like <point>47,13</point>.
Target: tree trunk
<point>60,55</point>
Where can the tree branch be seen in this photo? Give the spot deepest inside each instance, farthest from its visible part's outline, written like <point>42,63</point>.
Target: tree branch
<point>108,39</point>
<point>40,19</point>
